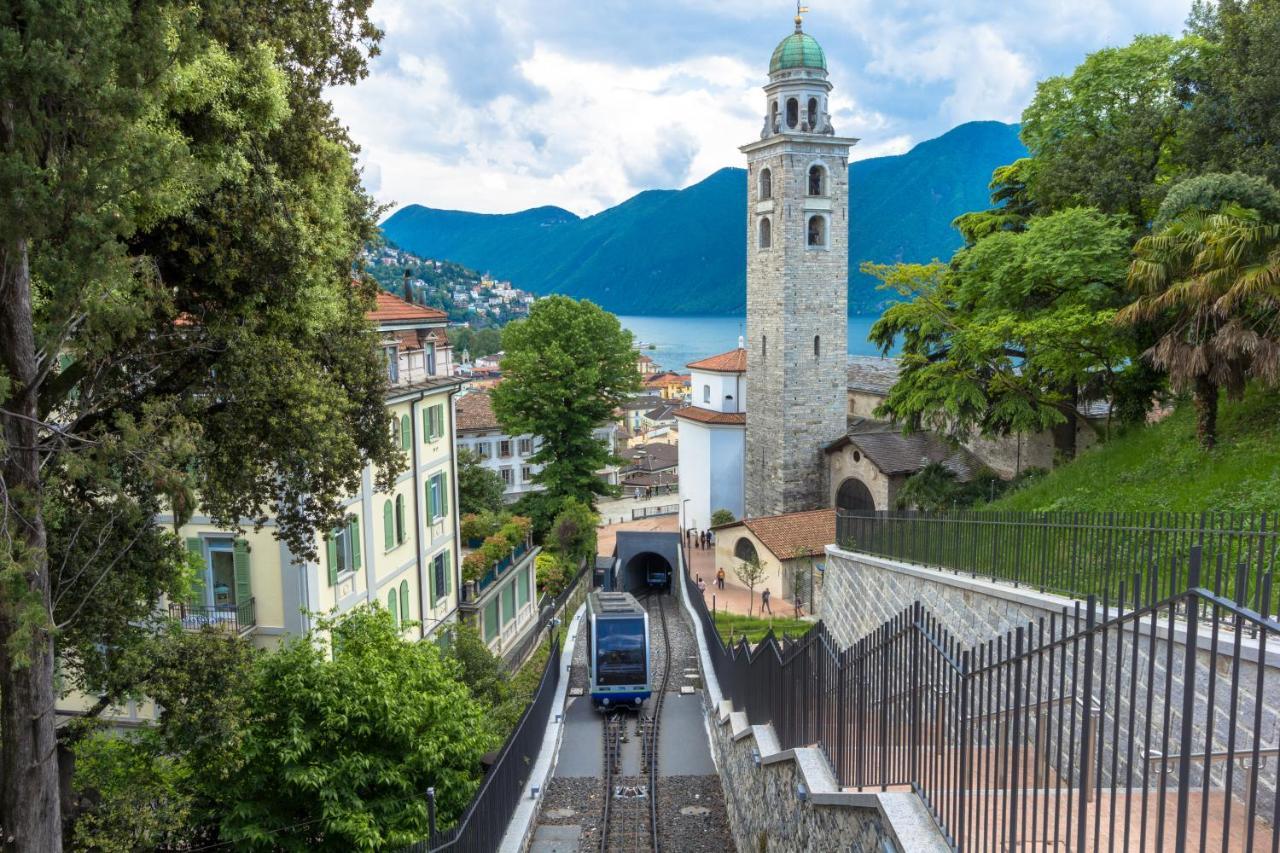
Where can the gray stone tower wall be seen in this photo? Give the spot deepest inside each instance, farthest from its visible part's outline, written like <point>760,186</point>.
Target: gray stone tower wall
<point>794,293</point>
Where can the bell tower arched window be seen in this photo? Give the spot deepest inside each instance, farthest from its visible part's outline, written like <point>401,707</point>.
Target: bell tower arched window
<point>817,345</point>
<point>773,117</point>
<point>817,231</point>
<point>793,112</point>
<point>817,180</point>
<point>765,238</point>
<point>766,184</point>
<point>812,114</point>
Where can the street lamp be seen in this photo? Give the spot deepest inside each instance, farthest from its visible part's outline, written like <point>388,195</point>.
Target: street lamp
<point>682,516</point>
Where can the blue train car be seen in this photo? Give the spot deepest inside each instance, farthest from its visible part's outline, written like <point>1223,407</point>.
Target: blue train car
<point>617,650</point>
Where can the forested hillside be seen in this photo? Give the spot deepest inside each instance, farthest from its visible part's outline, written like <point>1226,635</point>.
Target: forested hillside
<point>684,251</point>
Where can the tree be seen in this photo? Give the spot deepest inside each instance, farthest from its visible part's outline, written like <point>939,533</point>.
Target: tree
<point>179,218</point>
<point>1104,135</point>
<point>750,571</point>
<point>1212,281</point>
<point>338,751</point>
<point>1208,193</point>
<point>567,367</point>
<point>573,533</point>
<point>1015,332</point>
<point>722,516</point>
<point>479,489</point>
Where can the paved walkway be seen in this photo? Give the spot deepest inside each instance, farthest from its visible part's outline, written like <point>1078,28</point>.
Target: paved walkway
<point>613,511</point>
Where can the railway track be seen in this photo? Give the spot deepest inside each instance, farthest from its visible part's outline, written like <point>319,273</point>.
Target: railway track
<point>630,820</point>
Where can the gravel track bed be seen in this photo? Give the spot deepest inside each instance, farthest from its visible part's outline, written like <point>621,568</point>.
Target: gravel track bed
<point>578,666</point>
<point>692,816</point>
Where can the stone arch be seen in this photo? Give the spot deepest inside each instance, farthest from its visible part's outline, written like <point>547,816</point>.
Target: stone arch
<point>744,549</point>
<point>773,116</point>
<point>766,184</point>
<point>764,239</point>
<point>854,496</point>
<point>793,112</point>
<point>811,114</point>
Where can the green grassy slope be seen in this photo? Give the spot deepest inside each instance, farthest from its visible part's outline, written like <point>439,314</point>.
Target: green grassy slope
<point>1160,467</point>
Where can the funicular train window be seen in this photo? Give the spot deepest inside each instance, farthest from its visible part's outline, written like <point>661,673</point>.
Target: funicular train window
<point>620,656</point>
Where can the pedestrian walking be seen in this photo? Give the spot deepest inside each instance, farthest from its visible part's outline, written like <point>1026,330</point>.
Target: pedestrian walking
<point>720,578</point>
<point>702,586</point>
<point>706,538</point>
<point>799,606</point>
<point>764,601</point>
<point>637,493</point>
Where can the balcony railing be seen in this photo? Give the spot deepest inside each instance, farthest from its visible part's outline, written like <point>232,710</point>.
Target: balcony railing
<point>238,617</point>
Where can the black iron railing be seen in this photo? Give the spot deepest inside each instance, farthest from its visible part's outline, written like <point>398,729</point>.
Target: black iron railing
<point>482,825</point>
<point>1073,553</point>
<point>1144,722</point>
<point>549,608</point>
<point>239,617</point>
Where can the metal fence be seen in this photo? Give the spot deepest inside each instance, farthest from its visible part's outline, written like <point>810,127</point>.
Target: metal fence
<point>483,824</point>
<point>651,511</point>
<point>239,617</point>
<point>1144,722</point>
<point>549,608</point>
<point>1074,553</point>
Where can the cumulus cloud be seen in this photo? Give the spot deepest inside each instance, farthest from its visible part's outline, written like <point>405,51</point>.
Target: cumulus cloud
<point>499,107</point>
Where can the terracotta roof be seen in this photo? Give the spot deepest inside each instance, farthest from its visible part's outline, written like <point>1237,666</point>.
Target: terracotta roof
<point>666,378</point>
<point>733,361</point>
<point>707,416</point>
<point>475,412</point>
<point>392,309</point>
<point>782,534</point>
<point>896,453</point>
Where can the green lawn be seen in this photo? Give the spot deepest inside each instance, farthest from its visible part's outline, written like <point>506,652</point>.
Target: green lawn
<point>733,626</point>
<point>1161,467</point>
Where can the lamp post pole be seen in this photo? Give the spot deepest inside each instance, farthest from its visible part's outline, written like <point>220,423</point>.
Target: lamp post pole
<point>682,515</point>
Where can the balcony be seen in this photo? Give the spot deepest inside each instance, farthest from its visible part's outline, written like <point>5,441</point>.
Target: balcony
<point>240,618</point>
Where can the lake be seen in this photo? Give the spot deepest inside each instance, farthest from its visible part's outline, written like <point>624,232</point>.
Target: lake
<point>679,340</point>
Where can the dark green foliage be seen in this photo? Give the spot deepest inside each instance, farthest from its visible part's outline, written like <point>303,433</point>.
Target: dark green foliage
<point>438,290</point>
<point>477,343</point>
<point>935,488</point>
<point>572,536</point>
<point>684,252</point>
<point>722,516</point>
<point>479,488</point>
<point>567,368</point>
<point>1208,193</point>
<point>486,679</point>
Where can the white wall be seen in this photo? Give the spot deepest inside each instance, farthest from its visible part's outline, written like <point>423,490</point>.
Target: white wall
<point>728,448</point>
<point>711,475</point>
<point>516,461</point>
<point>719,392</point>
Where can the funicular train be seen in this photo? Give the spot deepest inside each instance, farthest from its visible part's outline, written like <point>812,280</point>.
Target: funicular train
<point>617,650</point>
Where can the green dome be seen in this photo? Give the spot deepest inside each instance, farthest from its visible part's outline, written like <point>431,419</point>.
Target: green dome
<point>798,50</point>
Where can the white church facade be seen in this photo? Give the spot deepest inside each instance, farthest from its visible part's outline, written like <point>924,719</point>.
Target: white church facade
<point>713,439</point>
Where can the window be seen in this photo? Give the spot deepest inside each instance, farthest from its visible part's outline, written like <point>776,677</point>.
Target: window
<point>766,180</point>
<point>343,549</point>
<point>506,476</point>
<point>406,432</point>
<point>395,431</point>
<point>817,231</point>
<point>764,239</point>
<point>773,117</point>
<point>402,532</point>
<point>706,393</point>
<point>817,345</point>
<point>392,357</point>
<point>392,608</point>
<point>526,446</point>
<point>440,576</point>
<point>813,114</point>
<point>522,588</point>
<point>817,180</point>
<point>404,601</point>
<point>491,621</point>
<point>508,603</point>
<point>437,498</point>
<point>764,346</point>
<point>433,422</point>
<point>431,359</point>
<point>225,582</point>
<point>526,474</point>
<point>504,448</point>
<point>744,549</point>
<point>484,449</point>
<point>793,112</point>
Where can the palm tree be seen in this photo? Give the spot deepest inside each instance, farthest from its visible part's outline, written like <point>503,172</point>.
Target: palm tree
<point>1211,281</point>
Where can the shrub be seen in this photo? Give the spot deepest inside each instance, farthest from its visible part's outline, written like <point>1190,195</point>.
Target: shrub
<point>474,565</point>
<point>551,573</point>
<point>495,548</point>
<point>475,526</point>
<point>722,516</point>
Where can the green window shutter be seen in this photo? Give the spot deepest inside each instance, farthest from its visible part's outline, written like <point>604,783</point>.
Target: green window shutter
<point>431,584</point>
<point>331,546</point>
<point>404,600</point>
<point>240,562</point>
<point>354,526</point>
<point>391,607</point>
<point>439,421</point>
<point>401,532</point>
<point>426,423</point>
<point>448,572</point>
<point>444,494</point>
<point>431,499</point>
<point>388,527</point>
<point>406,432</point>
<point>196,546</point>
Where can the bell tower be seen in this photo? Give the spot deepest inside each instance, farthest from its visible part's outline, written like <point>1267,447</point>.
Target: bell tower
<point>797,283</point>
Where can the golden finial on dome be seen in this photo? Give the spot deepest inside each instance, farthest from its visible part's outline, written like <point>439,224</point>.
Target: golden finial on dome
<point>800,11</point>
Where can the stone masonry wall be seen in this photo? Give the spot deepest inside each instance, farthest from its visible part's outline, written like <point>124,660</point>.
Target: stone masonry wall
<point>1144,691</point>
<point>794,293</point>
<point>765,815</point>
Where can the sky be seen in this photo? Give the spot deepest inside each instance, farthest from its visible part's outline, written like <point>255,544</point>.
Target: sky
<point>501,105</point>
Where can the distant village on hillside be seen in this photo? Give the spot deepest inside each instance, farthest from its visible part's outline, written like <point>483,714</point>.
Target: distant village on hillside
<point>468,297</point>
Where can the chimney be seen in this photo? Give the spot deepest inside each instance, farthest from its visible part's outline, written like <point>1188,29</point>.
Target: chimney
<point>742,342</point>
<point>408,291</point>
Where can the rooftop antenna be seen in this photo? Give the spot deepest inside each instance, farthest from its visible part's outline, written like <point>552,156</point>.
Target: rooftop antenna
<point>801,11</point>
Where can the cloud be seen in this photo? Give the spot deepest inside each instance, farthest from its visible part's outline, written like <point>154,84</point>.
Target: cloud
<point>503,106</point>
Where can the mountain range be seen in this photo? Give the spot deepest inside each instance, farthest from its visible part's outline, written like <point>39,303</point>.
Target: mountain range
<point>684,251</point>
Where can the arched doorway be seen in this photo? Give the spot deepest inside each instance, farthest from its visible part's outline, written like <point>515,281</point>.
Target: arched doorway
<point>854,496</point>
<point>644,571</point>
